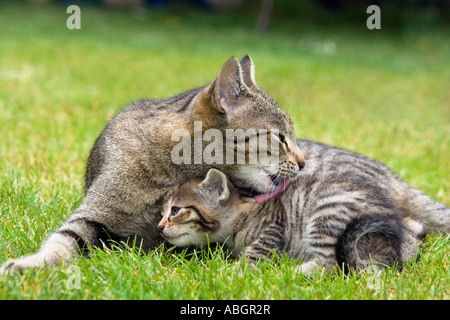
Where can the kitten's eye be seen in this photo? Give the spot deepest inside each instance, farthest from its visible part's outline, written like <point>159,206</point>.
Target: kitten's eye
<point>282,138</point>
<point>174,211</point>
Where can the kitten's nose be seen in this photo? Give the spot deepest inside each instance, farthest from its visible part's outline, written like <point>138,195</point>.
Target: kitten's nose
<point>160,227</point>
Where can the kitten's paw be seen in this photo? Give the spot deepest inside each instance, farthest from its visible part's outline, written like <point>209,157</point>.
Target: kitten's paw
<point>306,268</point>
<point>314,268</point>
<point>242,268</point>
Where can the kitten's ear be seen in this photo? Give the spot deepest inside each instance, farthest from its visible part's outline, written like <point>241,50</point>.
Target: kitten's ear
<point>226,90</point>
<point>216,185</point>
<point>248,71</point>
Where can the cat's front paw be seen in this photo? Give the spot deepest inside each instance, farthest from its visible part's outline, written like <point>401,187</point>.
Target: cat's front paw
<point>12,266</point>
<point>18,266</point>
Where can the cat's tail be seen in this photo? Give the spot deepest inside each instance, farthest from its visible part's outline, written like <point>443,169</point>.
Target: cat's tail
<point>415,205</point>
<point>377,240</point>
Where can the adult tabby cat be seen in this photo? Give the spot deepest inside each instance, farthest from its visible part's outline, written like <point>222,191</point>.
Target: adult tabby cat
<point>326,220</point>
<point>130,169</point>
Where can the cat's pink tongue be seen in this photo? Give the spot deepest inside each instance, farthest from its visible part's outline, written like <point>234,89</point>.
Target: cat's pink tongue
<point>266,196</point>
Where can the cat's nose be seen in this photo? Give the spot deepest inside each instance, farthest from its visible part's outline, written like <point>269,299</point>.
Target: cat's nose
<point>301,165</point>
<point>299,159</point>
<point>160,227</point>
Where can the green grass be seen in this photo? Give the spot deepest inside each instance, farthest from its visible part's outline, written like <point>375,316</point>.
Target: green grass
<point>162,274</point>
<point>384,94</point>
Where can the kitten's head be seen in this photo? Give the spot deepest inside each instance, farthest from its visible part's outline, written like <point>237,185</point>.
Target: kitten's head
<point>262,131</point>
<point>199,211</point>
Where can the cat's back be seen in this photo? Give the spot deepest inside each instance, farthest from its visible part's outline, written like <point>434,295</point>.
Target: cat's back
<point>323,159</point>
<point>148,114</point>
<point>159,108</point>
<point>135,128</point>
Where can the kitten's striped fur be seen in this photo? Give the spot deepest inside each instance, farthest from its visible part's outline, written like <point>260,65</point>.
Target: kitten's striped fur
<point>327,217</point>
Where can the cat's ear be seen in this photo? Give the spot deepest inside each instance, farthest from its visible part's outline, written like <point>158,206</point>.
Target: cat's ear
<point>216,186</point>
<point>248,71</point>
<point>226,90</point>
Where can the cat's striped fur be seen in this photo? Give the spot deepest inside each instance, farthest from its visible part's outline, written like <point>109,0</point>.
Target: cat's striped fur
<point>328,217</point>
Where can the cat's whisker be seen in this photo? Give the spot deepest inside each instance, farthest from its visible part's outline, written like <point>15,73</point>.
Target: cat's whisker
<point>255,184</point>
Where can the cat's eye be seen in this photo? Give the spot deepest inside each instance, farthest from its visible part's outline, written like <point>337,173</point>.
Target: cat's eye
<point>282,138</point>
<point>174,211</point>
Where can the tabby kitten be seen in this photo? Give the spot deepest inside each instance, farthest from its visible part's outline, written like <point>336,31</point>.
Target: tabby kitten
<point>325,220</point>
<point>130,168</point>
